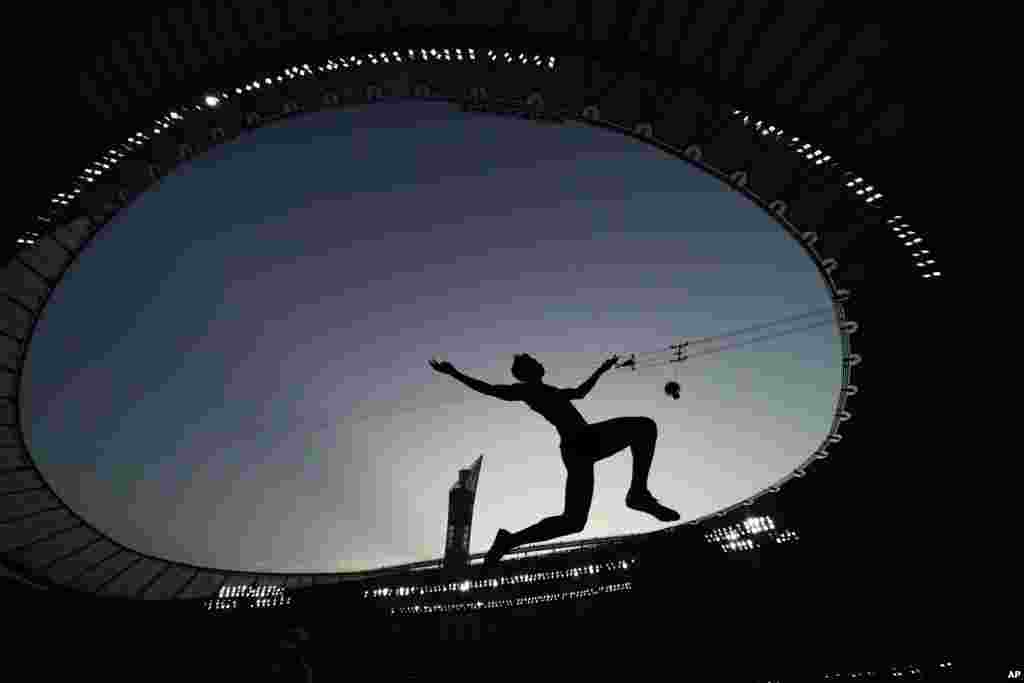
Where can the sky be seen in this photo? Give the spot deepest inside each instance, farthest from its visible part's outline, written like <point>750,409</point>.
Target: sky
<point>234,373</point>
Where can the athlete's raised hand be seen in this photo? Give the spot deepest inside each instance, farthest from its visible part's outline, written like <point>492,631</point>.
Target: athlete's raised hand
<point>608,364</point>
<point>442,366</point>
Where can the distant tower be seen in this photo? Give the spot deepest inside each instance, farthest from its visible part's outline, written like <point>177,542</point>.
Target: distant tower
<point>460,518</point>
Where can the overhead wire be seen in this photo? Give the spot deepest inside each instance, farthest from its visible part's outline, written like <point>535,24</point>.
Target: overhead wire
<point>736,333</point>
<point>661,357</point>
<point>653,363</point>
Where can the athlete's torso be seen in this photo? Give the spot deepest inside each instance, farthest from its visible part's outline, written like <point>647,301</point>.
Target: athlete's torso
<point>554,406</point>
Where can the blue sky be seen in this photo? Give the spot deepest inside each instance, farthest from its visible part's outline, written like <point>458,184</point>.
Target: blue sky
<point>235,373</point>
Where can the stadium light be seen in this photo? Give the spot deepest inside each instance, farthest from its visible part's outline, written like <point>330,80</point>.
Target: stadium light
<point>212,101</point>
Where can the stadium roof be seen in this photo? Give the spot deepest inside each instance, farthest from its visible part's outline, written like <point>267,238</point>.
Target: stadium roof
<point>826,69</point>
<point>705,80</point>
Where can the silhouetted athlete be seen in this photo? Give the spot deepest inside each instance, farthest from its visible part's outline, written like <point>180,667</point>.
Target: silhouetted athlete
<point>582,445</point>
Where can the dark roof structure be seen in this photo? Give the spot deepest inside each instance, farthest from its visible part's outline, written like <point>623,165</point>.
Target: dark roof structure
<point>799,106</point>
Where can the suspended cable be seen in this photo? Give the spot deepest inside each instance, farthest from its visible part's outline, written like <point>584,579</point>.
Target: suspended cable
<point>655,363</point>
<point>676,353</point>
<point>734,333</point>
<point>757,328</point>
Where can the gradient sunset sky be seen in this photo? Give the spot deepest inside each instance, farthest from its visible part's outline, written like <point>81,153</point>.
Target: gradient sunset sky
<point>235,373</point>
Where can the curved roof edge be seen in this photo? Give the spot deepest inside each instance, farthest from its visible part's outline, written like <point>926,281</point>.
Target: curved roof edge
<point>812,200</point>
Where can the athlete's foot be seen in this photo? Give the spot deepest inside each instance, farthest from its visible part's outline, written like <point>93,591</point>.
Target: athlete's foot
<point>498,548</point>
<point>645,502</point>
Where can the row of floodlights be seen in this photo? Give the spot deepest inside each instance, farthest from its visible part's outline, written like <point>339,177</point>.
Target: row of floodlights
<point>337,63</point>
<point>249,591</point>
<point>212,100</point>
<point>222,604</point>
<point>737,544</point>
<point>759,524</point>
<point>531,551</point>
<point>467,585</point>
<point>445,54</point>
<point>863,189</point>
<point>742,544</point>
<point>749,526</point>
<point>806,150</point>
<point>922,256</point>
<point>812,153</point>
<point>856,183</point>
<point>897,671</point>
<point>513,602</point>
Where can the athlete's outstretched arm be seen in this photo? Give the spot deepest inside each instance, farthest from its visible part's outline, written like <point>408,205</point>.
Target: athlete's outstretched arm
<point>582,390</point>
<point>505,392</point>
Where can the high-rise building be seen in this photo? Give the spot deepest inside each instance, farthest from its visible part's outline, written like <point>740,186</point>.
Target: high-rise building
<point>460,518</point>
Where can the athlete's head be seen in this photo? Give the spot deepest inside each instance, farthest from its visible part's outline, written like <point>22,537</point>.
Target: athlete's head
<point>526,368</point>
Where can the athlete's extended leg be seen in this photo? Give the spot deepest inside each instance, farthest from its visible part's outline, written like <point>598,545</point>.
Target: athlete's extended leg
<point>579,493</point>
<point>640,434</point>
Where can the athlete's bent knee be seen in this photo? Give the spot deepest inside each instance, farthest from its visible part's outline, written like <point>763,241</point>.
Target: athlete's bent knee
<point>648,425</point>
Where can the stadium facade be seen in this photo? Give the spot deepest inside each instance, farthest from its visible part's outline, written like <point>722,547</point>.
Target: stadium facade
<point>793,108</point>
